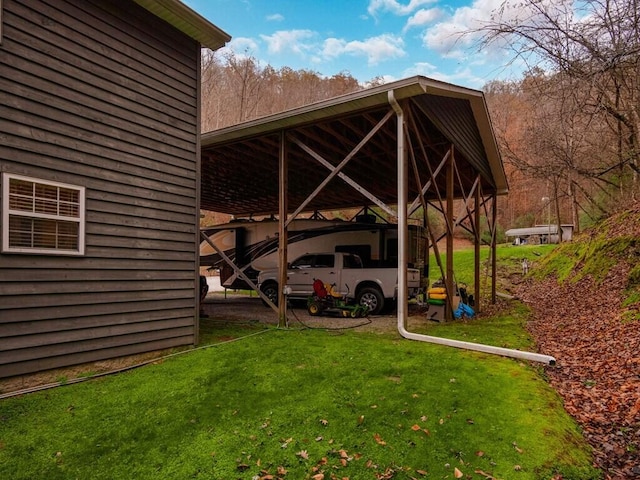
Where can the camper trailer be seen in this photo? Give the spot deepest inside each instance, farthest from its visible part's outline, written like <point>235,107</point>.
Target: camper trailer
<point>253,245</point>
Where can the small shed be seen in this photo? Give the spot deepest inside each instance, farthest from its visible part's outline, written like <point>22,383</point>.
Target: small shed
<point>100,169</point>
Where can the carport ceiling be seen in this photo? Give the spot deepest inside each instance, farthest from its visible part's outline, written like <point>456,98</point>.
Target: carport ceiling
<point>240,164</point>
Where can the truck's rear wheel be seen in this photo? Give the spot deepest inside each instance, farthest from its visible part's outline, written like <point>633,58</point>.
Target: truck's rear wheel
<point>372,298</point>
<point>270,290</point>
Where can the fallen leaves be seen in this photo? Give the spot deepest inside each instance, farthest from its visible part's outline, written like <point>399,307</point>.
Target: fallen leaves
<point>581,323</point>
<point>378,439</point>
<point>418,428</point>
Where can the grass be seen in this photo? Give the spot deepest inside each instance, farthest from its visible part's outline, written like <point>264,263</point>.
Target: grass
<point>308,404</point>
<point>294,404</point>
<point>509,257</point>
<point>509,261</point>
<point>594,256</point>
<point>505,330</point>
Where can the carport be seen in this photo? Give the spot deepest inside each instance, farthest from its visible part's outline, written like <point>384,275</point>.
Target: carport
<point>416,143</point>
<point>413,144</point>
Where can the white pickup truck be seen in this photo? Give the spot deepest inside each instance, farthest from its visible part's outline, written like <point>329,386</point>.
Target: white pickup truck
<point>368,286</point>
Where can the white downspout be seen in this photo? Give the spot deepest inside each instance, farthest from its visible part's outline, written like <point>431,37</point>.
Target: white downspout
<point>403,289</point>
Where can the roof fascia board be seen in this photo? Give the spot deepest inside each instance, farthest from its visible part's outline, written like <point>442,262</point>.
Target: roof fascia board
<point>187,21</point>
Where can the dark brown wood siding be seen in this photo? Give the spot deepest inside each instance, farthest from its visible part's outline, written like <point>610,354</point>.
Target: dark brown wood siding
<point>104,95</point>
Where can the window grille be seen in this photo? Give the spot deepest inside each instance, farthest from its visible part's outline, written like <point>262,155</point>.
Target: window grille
<point>42,217</point>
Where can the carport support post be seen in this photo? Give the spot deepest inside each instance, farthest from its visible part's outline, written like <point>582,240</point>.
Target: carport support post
<point>494,241</point>
<point>403,229</point>
<point>282,230</point>
<point>451,288</point>
<point>476,248</point>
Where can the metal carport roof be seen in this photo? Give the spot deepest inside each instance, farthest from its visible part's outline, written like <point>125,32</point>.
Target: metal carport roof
<point>240,163</point>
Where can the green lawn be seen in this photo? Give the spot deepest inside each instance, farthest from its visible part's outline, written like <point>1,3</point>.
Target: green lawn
<point>309,404</point>
<point>509,259</point>
<point>300,404</point>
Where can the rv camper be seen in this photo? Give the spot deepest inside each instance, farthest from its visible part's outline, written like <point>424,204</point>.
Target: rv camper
<point>253,245</point>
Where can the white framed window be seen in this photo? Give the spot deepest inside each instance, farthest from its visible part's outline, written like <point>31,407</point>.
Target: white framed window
<point>43,217</point>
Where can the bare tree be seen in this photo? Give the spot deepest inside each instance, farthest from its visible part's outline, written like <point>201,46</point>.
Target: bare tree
<point>212,78</point>
<point>236,88</point>
<point>594,48</point>
<point>552,147</point>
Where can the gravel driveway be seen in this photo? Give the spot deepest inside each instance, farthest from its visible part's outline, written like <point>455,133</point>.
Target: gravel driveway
<point>243,308</point>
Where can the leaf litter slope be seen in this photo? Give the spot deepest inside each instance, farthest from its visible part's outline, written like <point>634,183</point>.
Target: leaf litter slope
<point>586,314</point>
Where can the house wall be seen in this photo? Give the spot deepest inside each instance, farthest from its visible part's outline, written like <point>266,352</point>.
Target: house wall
<point>101,94</point>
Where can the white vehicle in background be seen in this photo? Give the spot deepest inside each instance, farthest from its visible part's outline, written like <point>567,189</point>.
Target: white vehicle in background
<point>253,245</point>
<point>373,287</point>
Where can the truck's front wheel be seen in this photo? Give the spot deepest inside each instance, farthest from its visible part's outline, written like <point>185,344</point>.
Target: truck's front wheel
<point>270,290</point>
<point>372,298</point>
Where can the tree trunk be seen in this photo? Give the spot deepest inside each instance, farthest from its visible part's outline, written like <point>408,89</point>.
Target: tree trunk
<point>575,216</point>
<point>557,212</point>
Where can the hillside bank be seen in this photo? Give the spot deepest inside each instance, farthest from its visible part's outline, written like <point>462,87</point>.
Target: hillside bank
<point>585,298</point>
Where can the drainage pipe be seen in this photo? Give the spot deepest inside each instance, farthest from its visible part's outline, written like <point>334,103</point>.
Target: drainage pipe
<point>403,290</point>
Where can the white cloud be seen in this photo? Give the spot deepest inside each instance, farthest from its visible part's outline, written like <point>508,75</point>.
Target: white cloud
<point>453,37</point>
<point>292,41</point>
<point>420,68</point>
<point>333,47</point>
<point>448,40</point>
<point>424,17</point>
<point>375,49</point>
<point>305,43</point>
<point>276,17</point>
<point>395,7</point>
<point>240,46</point>
<point>462,76</point>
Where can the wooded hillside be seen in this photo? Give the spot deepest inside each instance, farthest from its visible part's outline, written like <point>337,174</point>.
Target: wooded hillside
<point>568,130</point>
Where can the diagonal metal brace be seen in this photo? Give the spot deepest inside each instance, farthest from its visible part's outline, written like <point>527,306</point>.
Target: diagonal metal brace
<point>239,272</point>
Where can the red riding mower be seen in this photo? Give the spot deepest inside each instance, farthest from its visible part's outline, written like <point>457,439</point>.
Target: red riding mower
<point>325,299</point>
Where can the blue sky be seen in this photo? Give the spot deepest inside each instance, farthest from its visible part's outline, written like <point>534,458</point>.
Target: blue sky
<point>393,39</point>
